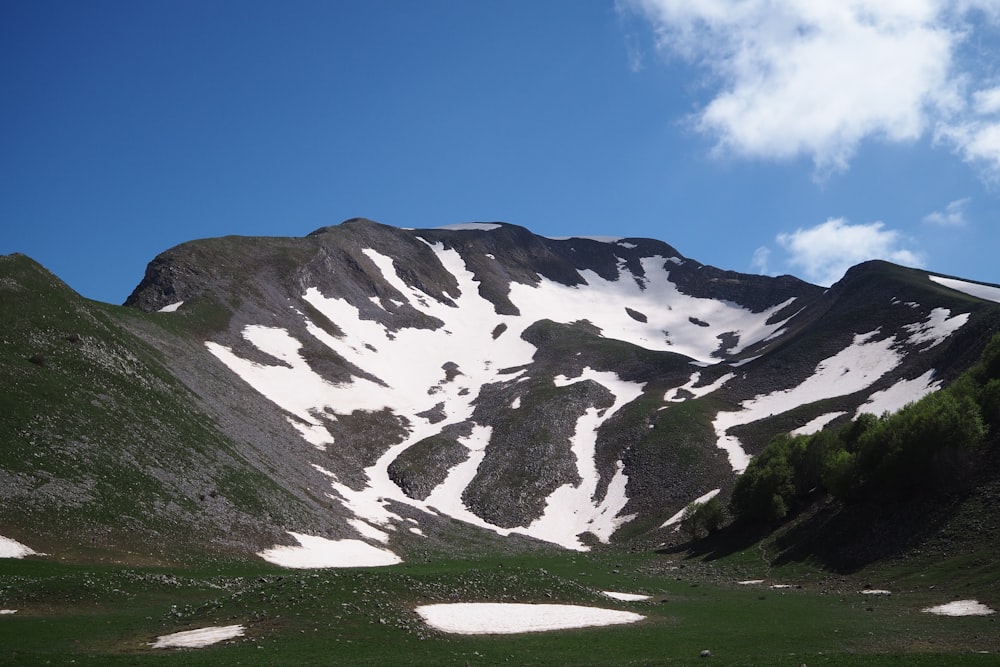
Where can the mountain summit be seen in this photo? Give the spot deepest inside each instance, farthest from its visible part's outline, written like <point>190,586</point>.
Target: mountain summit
<point>380,391</point>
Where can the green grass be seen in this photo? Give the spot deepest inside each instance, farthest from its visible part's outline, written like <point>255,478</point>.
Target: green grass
<point>109,615</point>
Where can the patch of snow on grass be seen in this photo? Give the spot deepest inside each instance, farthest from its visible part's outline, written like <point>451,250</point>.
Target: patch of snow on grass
<point>852,369</point>
<point>988,292</point>
<point>13,549</point>
<point>899,394</point>
<point>875,591</point>
<point>750,582</point>
<point>170,308</point>
<point>817,423</point>
<point>626,597</point>
<point>474,618</point>
<point>7,612</point>
<point>961,608</point>
<point>320,552</point>
<point>200,637</point>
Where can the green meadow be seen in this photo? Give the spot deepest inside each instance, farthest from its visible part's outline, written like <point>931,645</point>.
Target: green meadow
<point>111,614</point>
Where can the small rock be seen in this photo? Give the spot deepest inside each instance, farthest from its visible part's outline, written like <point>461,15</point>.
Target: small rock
<point>706,654</point>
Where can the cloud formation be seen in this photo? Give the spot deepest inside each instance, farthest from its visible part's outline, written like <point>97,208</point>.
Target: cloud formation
<point>953,214</point>
<point>815,78</point>
<point>824,253</point>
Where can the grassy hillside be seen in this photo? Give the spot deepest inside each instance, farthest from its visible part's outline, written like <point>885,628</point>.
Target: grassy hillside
<point>102,450</point>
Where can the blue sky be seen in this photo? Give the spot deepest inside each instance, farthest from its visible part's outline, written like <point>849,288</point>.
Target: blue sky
<point>774,136</point>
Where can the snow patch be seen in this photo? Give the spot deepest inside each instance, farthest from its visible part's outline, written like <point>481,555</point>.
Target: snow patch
<point>817,423</point>
<point>987,292</point>
<point>473,618</point>
<point>471,226</point>
<point>674,395</point>
<point>676,519</point>
<point>569,510</point>
<point>10,548</point>
<point>852,369</point>
<point>961,608</point>
<point>7,612</point>
<point>875,591</point>
<point>170,308</point>
<point>320,552</point>
<point>938,326</point>
<point>626,597</point>
<point>895,397</point>
<point>200,637</point>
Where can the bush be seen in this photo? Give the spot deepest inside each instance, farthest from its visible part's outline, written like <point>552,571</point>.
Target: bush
<point>708,516</point>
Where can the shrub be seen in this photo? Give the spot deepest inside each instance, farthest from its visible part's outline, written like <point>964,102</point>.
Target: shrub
<point>708,516</point>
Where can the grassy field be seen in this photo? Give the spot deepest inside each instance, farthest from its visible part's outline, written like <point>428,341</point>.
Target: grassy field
<point>109,615</point>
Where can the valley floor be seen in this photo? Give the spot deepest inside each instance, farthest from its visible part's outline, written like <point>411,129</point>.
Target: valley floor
<point>667,609</point>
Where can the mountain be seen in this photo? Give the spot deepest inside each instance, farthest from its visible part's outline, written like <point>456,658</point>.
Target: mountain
<point>368,393</point>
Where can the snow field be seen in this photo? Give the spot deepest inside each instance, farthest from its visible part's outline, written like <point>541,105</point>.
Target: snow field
<point>473,618</point>
<point>199,638</point>
<point>404,360</point>
<point>960,608</point>
<point>320,552</point>
<point>410,364</point>
<point>853,369</point>
<point>10,548</point>
<point>668,311</point>
<point>625,597</point>
<point>987,292</point>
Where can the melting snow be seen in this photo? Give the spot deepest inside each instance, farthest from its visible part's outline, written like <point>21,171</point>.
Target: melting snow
<point>6,612</point>
<point>199,638</point>
<point>569,510</point>
<point>171,307</point>
<point>13,549</point>
<point>469,226</point>
<point>471,618</point>
<point>855,367</point>
<point>674,395</point>
<point>817,423</point>
<point>320,552</point>
<point>875,591</point>
<point>961,608</point>
<point>936,328</point>
<point>988,292</point>
<point>626,597</point>
<point>676,519</point>
<point>410,383</point>
<point>899,394</point>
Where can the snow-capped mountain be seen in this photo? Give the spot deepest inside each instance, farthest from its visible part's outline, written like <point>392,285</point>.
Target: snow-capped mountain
<point>397,383</point>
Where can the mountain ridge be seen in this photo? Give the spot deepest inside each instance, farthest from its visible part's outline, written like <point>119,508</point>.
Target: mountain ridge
<point>573,391</point>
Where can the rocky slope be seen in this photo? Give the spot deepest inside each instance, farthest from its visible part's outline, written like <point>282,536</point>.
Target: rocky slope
<point>404,391</point>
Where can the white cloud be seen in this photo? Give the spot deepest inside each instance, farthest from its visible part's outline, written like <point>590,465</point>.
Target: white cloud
<point>760,257</point>
<point>952,216</point>
<point>815,78</point>
<point>824,252</point>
